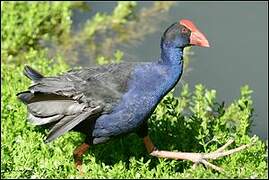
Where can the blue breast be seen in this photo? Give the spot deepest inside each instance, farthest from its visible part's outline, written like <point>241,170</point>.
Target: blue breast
<point>148,84</point>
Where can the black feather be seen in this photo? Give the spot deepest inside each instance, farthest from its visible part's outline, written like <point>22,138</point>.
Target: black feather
<point>32,74</point>
<point>66,101</point>
<point>43,120</point>
<point>25,96</point>
<point>69,122</point>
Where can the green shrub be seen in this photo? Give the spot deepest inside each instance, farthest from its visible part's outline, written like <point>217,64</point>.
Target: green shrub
<point>23,24</point>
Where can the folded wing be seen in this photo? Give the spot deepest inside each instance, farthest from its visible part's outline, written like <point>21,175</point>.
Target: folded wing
<point>69,99</point>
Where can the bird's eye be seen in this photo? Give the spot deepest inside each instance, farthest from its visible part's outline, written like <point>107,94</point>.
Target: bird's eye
<point>184,30</point>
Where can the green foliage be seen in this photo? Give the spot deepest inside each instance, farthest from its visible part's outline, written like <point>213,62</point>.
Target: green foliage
<point>191,122</point>
<point>103,34</point>
<point>24,24</point>
<point>101,60</point>
<point>198,123</point>
<point>101,22</point>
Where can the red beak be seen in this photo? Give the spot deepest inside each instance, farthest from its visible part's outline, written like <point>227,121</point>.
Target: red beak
<point>198,39</point>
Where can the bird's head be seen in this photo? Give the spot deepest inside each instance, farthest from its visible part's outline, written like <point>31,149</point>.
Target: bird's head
<point>183,34</point>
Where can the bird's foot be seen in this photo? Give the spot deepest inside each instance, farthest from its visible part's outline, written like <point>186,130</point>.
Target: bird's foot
<point>78,165</point>
<point>202,158</point>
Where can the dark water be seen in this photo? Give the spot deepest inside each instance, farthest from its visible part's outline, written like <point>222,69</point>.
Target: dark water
<point>237,32</point>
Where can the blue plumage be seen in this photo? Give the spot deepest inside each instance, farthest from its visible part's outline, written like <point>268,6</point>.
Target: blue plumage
<point>110,100</point>
<point>147,85</point>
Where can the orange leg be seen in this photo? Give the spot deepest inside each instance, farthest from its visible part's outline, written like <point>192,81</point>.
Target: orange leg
<point>78,153</point>
<point>149,145</point>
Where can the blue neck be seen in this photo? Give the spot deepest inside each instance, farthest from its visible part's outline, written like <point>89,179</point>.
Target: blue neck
<point>171,55</point>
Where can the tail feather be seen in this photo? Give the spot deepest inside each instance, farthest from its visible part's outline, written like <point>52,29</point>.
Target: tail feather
<point>32,74</point>
<point>48,107</point>
<point>25,96</point>
<point>35,120</point>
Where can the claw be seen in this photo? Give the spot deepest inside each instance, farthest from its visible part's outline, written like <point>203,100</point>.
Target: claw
<point>198,157</point>
<point>79,168</point>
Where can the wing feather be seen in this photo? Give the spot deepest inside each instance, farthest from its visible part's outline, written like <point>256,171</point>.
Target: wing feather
<point>67,100</point>
<point>69,122</point>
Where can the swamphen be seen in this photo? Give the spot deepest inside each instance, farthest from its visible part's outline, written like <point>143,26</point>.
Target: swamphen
<point>106,101</point>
